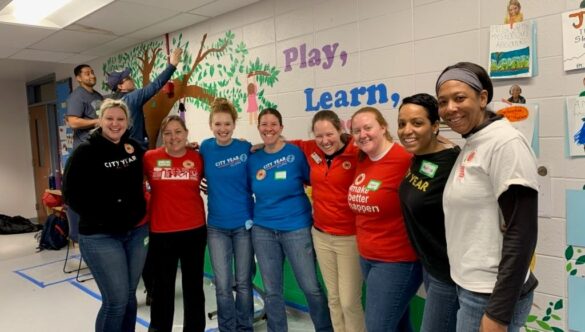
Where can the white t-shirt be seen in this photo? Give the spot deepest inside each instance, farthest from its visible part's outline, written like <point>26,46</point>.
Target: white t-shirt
<point>491,160</point>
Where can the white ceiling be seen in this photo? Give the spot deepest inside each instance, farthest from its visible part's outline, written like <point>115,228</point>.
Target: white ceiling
<point>27,52</point>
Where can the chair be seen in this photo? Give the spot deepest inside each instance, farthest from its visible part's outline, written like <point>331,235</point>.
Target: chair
<point>73,221</point>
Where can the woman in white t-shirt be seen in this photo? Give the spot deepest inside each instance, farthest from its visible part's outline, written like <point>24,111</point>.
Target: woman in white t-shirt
<point>490,205</point>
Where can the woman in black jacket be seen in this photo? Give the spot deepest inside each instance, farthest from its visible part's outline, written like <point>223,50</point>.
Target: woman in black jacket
<point>103,182</point>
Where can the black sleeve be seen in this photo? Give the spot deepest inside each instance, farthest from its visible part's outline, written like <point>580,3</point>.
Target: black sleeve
<point>76,180</point>
<point>519,206</point>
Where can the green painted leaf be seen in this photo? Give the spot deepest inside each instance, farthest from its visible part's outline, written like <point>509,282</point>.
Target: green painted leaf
<point>555,317</point>
<point>580,260</point>
<point>569,267</point>
<point>211,71</point>
<point>548,311</point>
<point>556,329</point>
<point>573,272</point>
<point>545,318</point>
<point>569,252</point>
<point>559,304</point>
<point>531,318</point>
<point>544,325</point>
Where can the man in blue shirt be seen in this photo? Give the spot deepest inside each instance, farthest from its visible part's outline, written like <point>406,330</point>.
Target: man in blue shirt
<point>82,104</point>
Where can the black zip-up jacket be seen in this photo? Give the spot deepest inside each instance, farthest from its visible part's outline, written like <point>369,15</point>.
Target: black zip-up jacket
<point>103,183</point>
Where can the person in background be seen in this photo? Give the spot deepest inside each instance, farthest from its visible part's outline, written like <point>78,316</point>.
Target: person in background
<point>421,198</point>
<point>515,97</point>
<point>228,229</point>
<point>82,104</point>
<point>103,182</point>
<point>490,204</point>
<point>177,228</point>
<point>332,160</point>
<point>389,264</point>
<point>81,116</point>
<point>282,224</point>
<point>124,88</point>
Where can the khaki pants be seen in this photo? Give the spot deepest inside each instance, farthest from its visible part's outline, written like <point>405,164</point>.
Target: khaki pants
<point>338,259</point>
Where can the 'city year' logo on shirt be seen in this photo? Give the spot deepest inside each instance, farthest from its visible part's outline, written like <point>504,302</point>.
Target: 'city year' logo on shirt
<point>232,161</point>
<point>280,162</point>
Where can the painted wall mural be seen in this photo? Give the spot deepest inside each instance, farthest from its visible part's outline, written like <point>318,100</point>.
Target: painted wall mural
<point>222,69</point>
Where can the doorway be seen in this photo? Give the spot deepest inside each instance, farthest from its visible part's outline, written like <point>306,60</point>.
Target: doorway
<point>41,154</point>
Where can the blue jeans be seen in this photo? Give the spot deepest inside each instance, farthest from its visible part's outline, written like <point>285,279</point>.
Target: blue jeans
<point>389,289</point>
<point>441,305</point>
<point>227,249</point>
<point>116,262</point>
<point>271,247</point>
<point>472,306</point>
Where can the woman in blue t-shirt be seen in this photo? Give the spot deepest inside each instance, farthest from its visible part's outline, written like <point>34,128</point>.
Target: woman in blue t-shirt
<point>229,218</point>
<point>282,223</point>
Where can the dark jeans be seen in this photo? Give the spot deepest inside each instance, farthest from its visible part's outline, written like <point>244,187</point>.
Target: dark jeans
<point>167,249</point>
<point>390,287</point>
<point>116,261</point>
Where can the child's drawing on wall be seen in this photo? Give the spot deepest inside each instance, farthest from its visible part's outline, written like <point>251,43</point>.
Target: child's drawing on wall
<point>252,87</point>
<point>582,94</point>
<point>579,136</point>
<point>514,14</point>
<point>252,109</point>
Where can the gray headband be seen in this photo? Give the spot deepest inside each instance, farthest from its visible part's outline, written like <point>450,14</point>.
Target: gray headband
<point>460,74</point>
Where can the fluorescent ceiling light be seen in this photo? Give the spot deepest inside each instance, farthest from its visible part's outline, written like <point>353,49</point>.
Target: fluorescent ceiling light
<point>49,13</point>
<point>32,12</point>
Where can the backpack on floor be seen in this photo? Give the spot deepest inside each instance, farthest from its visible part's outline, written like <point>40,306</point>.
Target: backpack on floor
<point>54,233</point>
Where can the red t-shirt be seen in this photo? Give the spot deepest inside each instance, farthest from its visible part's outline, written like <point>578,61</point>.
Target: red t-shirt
<point>373,197</point>
<point>331,213</point>
<point>175,202</point>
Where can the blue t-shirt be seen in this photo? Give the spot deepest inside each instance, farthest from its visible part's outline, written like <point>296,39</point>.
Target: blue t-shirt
<point>229,201</point>
<point>277,183</point>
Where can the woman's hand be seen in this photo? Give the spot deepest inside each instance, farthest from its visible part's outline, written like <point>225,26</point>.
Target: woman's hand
<point>489,325</point>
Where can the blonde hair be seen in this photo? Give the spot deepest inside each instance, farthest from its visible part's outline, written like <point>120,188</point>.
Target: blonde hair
<point>112,103</point>
<point>173,117</point>
<point>222,105</point>
<point>381,121</point>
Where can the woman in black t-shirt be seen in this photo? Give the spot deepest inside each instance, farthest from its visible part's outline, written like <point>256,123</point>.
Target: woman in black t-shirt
<point>421,194</point>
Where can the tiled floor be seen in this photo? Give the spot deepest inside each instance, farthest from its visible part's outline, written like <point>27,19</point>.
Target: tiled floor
<point>35,294</point>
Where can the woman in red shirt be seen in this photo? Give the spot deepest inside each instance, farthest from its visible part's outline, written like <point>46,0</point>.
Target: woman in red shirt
<point>177,227</point>
<point>333,161</point>
<point>388,261</point>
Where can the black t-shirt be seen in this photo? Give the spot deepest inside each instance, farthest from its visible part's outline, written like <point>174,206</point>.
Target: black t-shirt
<point>421,198</point>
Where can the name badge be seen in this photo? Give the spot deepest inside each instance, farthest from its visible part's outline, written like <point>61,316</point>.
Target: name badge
<point>428,168</point>
<point>316,157</point>
<point>280,175</point>
<point>163,163</point>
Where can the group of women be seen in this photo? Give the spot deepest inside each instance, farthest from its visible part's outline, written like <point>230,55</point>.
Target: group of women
<point>461,220</point>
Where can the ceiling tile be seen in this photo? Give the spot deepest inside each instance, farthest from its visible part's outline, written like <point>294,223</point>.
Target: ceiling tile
<point>37,55</point>
<point>170,25</point>
<point>78,58</point>
<point>221,7</point>
<point>112,47</point>
<point>179,5</point>
<point>6,52</point>
<point>21,36</point>
<point>121,18</point>
<point>72,41</point>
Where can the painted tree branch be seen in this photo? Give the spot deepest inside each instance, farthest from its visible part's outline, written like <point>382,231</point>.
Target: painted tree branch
<point>201,56</point>
<point>148,64</point>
